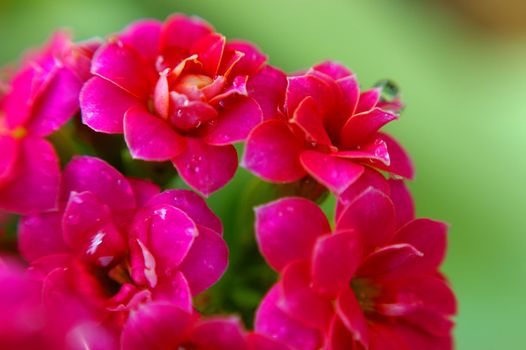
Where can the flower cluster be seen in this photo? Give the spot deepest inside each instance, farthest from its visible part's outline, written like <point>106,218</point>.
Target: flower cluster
<point>107,260</point>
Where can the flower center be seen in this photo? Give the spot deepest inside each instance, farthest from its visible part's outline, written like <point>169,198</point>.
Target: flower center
<point>366,293</point>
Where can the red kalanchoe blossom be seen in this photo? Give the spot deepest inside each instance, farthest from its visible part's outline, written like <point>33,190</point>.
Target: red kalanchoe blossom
<point>370,284</point>
<point>319,124</point>
<point>178,92</point>
<point>120,246</point>
<point>41,97</point>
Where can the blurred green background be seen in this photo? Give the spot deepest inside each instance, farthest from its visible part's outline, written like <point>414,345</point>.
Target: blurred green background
<point>465,121</point>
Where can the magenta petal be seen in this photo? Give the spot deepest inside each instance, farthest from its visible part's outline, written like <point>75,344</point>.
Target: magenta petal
<point>182,32</point>
<point>310,121</point>
<point>9,146</point>
<point>209,50</point>
<point>251,61</point>
<point>333,69</point>
<point>335,173</point>
<point>206,168</point>
<point>300,301</point>
<point>155,326</point>
<point>416,339</point>
<point>192,204</point>
<point>235,122</point>
<point>334,261</point>
<point>104,104</point>
<point>375,153</point>
<point>206,261</point>
<point>302,86</point>
<point>372,215</point>
<point>391,262</point>
<point>351,314</point>
<point>272,152</point>
<point>219,334</point>
<point>369,178</point>
<point>433,292</point>
<point>40,235</point>
<point>403,202</point>
<point>57,104</point>
<point>284,235</point>
<point>429,237</point>
<point>144,37</point>
<point>172,234</point>
<point>258,341</point>
<point>125,68</point>
<point>368,100</point>
<point>350,94</point>
<point>400,163</point>
<point>96,176</point>
<point>174,289</point>
<point>340,338</point>
<point>144,190</point>
<point>362,127</point>
<point>268,87</point>
<point>35,185</point>
<point>273,322</point>
<point>150,138</point>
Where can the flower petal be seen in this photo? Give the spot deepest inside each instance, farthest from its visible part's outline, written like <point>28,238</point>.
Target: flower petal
<point>416,339</point>
<point>374,153</point>
<point>390,262</point>
<point>251,61</point>
<point>300,301</point>
<point>272,152</point>
<point>235,122</point>
<point>274,323</point>
<point>155,326</point>
<point>283,234</point>
<point>143,36</point>
<point>192,204</point>
<point>204,167</point>
<point>339,337</point>
<point>429,237</point>
<point>98,177</point>
<point>144,190</point>
<point>206,261</point>
<point>172,234</point>
<point>333,69</point>
<point>219,334</point>
<point>310,121</point>
<point>334,172</point>
<point>372,215</point>
<point>268,87</point>
<point>362,127</point>
<point>300,87</point>
<point>57,103</point>
<point>351,314</point>
<point>334,261</point>
<point>400,163</point>
<point>209,50</point>
<point>104,104</point>
<point>10,149</point>
<point>40,235</point>
<point>124,67</point>
<point>150,138</point>
<point>175,290</point>
<point>182,32</point>
<point>35,185</point>
<point>403,202</point>
<point>368,100</point>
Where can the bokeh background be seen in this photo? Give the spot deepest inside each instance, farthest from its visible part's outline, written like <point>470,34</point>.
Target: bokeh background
<point>461,66</point>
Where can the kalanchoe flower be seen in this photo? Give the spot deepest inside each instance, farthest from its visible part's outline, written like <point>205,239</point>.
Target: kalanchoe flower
<point>38,100</point>
<point>318,123</point>
<point>122,247</point>
<point>371,283</point>
<point>178,92</point>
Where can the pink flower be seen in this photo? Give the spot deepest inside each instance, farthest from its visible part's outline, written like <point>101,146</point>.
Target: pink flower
<point>178,92</point>
<point>120,246</point>
<point>371,283</point>
<point>28,323</point>
<point>41,97</point>
<point>319,124</point>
